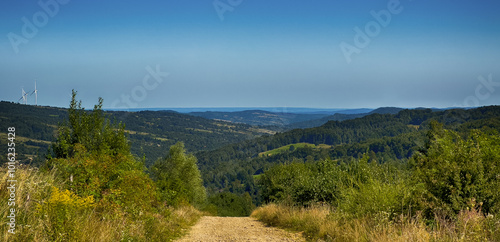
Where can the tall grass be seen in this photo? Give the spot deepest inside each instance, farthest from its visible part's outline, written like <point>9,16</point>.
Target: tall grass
<point>325,223</point>
<point>45,213</point>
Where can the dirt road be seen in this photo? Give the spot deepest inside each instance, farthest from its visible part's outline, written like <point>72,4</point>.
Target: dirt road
<point>236,229</point>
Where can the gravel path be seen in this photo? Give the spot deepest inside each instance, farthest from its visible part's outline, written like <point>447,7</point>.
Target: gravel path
<point>236,229</point>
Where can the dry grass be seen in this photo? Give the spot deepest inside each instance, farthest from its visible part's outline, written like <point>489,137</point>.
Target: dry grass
<point>324,223</point>
<point>34,187</point>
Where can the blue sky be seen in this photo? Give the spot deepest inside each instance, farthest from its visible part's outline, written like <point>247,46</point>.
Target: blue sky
<point>257,53</point>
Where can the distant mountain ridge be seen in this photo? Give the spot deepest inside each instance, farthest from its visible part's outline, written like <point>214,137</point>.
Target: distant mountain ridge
<point>342,117</point>
<point>279,118</point>
<point>346,116</point>
<point>296,110</point>
<point>259,117</point>
<point>150,132</point>
<point>284,120</point>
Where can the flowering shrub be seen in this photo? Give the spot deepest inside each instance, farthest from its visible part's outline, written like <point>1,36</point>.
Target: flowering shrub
<point>63,208</point>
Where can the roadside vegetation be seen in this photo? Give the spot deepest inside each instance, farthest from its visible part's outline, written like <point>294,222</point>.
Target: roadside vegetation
<point>91,188</point>
<point>448,191</point>
<point>47,211</point>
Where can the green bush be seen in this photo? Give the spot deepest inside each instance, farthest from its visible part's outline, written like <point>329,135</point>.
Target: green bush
<point>286,183</point>
<point>93,158</point>
<point>178,179</point>
<point>231,205</point>
<point>459,173</point>
<point>357,186</point>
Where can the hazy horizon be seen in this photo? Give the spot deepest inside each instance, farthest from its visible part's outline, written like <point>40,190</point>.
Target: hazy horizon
<point>238,108</point>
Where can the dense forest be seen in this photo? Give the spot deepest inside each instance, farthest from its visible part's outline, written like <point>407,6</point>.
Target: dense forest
<point>383,137</point>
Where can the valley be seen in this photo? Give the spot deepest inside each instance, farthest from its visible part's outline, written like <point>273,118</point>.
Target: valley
<point>241,166</point>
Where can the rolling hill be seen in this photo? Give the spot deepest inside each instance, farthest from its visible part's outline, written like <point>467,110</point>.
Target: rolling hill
<point>259,117</point>
<point>341,117</point>
<point>289,118</point>
<point>150,133</point>
<point>283,121</point>
<point>384,136</point>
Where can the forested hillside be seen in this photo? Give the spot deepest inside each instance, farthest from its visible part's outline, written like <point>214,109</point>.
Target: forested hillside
<point>150,133</point>
<point>259,117</point>
<point>446,191</point>
<point>341,117</point>
<point>282,121</point>
<point>384,137</point>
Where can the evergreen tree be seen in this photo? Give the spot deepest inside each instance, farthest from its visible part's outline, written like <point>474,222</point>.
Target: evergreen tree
<point>90,129</point>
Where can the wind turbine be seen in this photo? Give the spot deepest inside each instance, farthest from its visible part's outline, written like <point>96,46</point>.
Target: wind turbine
<point>24,97</point>
<point>36,95</point>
